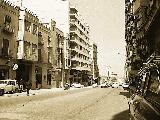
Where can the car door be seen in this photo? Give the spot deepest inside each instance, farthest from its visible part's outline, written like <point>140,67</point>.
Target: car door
<point>9,86</point>
<point>149,106</point>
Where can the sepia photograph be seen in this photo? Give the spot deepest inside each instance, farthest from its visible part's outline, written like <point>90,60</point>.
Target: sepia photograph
<point>79,59</point>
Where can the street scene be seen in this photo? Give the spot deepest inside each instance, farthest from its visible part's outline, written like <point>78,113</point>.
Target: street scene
<point>75,104</point>
<point>79,60</point>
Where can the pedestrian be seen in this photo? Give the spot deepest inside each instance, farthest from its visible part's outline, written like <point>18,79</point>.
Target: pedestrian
<point>28,87</point>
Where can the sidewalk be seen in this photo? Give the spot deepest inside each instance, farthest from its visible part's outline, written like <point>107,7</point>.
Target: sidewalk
<point>40,91</point>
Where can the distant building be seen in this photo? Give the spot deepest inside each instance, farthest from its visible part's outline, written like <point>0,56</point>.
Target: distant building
<point>95,69</point>
<point>103,79</point>
<point>60,59</point>
<point>113,77</point>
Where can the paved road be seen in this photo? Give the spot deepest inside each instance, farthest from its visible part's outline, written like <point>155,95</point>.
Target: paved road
<point>81,104</point>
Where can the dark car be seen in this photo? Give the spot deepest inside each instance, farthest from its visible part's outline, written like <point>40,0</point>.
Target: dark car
<point>144,102</point>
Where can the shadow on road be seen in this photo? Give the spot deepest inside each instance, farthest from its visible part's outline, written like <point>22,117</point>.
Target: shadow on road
<point>122,115</point>
<point>125,93</point>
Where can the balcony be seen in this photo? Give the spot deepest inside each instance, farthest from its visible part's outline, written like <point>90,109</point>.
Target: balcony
<point>8,28</point>
<point>49,45</point>
<point>75,23</point>
<point>81,68</point>
<point>40,40</point>
<point>76,32</point>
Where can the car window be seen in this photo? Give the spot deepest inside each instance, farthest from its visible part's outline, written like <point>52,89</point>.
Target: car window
<point>154,82</point>
<point>9,83</point>
<point>1,82</point>
<point>5,82</point>
<point>153,91</point>
<point>12,83</point>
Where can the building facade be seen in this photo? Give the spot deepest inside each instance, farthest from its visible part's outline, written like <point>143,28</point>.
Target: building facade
<point>8,39</point>
<point>37,51</point>
<point>95,68</point>
<point>142,34</point>
<point>80,49</point>
<point>61,60</point>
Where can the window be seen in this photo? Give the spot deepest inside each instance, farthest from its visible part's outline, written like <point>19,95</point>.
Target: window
<point>7,19</point>
<point>34,48</point>
<point>49,57</point>
<point>5,47</point>
<point>34,29</point>
<point>39,54</point>
<point>27,49</point>
<point>27,26</point>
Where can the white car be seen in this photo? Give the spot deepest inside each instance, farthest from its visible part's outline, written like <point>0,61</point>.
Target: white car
<point>6,88</point>
<point>94,85</point>
<point>125,86</point>
<point>9,86</point>
<point>77,85</point>
<point>104,85</point>
<point>115,85</point>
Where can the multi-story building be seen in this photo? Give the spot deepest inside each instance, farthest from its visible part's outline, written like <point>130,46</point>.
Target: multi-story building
<point>8,39</point>
<point>35,48</point>
<point>142,34</point>
<point>95,65</point>
<point>37,51</point>
<point>61,60</point>
<point>80,48</point>
<point>27,54</point>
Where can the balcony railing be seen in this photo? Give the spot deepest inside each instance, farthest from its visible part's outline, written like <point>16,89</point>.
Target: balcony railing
<point>49,45</point>
<point>8,28</point>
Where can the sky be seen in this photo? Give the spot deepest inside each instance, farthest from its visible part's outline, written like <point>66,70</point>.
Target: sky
<point>106,19</point>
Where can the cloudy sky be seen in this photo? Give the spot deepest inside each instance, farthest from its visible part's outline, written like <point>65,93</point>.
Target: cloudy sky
<point>106,20</point>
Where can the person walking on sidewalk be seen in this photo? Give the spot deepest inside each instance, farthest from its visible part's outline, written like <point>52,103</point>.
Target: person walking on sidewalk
<point>28,87</point>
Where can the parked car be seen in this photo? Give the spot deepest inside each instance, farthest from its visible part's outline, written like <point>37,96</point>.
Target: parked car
<point>77,85</point>
<point>104,85</point>
<point>95,85</point>
<point>9,86</point>
<point>14,83</point>
<point>144,103</point>
<point>125,86</point>
<point>1,91</point>
<point>115,85</point>
<point>6,87</point>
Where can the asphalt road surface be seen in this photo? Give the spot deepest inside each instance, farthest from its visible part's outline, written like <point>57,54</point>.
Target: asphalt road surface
<point>80,104</point>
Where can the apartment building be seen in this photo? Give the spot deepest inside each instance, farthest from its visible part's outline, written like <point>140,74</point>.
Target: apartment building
<point>37,51</point>
<point>80,48</point>
<point>142,35</point>
<point>95,65</point>
<point>27,54</point>
<point>62,77</point>
<point>8,39</point>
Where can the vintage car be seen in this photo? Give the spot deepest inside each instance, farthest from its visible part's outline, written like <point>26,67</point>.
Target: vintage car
<point>144,103</point>
<point>8,86</point>
<point>125,86</point>
<point>104,85</point>
<point>77,85</point>
<point>115,85</point>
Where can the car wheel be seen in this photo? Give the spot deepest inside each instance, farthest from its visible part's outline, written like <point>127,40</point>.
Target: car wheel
<point>1,92</point>
<point>16,90</point>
